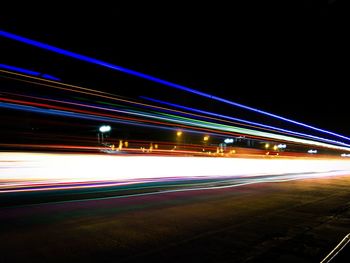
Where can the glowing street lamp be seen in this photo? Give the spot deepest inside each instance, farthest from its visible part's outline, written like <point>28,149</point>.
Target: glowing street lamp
<point>228,140</point>
<point>179,139</point>
<point>105,128</point>
<point>206,138</point>
<point>281,146</point>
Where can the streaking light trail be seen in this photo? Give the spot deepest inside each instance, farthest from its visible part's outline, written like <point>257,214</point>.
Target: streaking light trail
<point>214,127</point>
<point>116,108</point>
<point>239,120</point>
<point>22,70</point>
<point>157,80</point>
<point>29,72</point>
<point>216,116</point>
<point>33,172</point>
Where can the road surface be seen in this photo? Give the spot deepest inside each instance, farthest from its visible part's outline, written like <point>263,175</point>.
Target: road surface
<point>293,221</point>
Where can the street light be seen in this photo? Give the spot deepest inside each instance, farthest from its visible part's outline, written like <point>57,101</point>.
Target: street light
<point>179,139</point>
<point>105,128</point>
<point>228,140</point>
<point>281,146</point>
<point>206,138</point>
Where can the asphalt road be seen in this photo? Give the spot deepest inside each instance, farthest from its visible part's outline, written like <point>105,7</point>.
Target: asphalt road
<point>296,221</point>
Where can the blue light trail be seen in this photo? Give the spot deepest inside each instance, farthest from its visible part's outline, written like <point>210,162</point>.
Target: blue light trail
<point>157,80</point>
<point>76,115</point>
<point>21,70</point>
<point>241,120</point>
<point>47,76</point>
<point>28,72</point>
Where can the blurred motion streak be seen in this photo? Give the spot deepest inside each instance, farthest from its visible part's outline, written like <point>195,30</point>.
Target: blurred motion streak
<point>39,171</point>
<point>157,80</point>
<point>204,122</point>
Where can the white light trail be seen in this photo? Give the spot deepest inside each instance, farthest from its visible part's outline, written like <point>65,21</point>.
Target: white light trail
<point>28,169</point>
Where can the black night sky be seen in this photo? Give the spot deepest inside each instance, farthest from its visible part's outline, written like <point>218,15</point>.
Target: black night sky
<point>287,60</point>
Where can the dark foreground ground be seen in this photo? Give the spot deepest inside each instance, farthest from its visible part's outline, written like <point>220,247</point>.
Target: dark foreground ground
<point>298,221</point>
